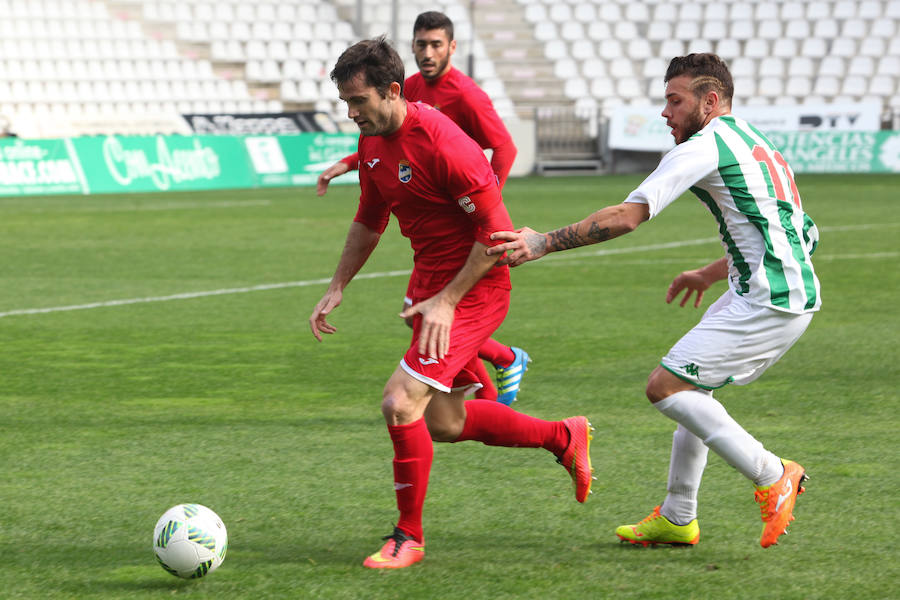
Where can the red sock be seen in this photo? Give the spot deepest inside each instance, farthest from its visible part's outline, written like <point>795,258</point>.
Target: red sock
<point>413,453</point>
<point>488,391</point>
<point>496,353</point>
<point>496,424</point>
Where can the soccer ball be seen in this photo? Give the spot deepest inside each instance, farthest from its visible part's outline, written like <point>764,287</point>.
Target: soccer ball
<point>190,541</point>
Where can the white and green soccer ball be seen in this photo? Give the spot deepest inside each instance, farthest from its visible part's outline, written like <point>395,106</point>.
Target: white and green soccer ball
<point>190,541</point>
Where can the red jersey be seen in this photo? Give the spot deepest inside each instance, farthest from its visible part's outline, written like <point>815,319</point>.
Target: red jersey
<point>460,98</point>
<point>438,183</point>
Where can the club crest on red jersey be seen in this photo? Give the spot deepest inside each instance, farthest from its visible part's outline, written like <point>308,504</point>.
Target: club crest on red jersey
<point>404,173</point>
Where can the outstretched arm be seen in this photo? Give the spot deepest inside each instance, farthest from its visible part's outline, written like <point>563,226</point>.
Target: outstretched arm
<point>607,223</point>
<point>361,241</point>
<point>348,163</point>
<point>697,281</point>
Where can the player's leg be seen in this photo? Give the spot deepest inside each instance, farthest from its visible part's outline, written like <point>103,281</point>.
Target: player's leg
<point>404,404</point>
<point>510,363</point>
<point>686,465</point>
<point>675,521</point>
<point>488,391</point>
<point>452,419</point>
<point>495,424</point>
<point>734,342</point>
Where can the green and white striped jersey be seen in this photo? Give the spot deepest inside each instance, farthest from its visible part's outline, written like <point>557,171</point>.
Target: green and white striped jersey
<point>749,188</point>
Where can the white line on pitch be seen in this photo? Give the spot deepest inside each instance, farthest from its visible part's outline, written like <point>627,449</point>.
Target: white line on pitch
<point>571,256</point>
<point>190,295</point>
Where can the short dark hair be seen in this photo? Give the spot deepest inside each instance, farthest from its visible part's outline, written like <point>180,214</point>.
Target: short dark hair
<point>433,20</point>
<point>376,59</point>
<point>708,72</point>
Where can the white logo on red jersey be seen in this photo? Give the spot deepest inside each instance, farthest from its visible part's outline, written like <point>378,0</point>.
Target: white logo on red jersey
<point>373,162</point>
<point>404,172</point>
<point>466,203</point>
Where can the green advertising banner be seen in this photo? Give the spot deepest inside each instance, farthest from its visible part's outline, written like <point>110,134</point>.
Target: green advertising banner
<point>116,164</point>
<point>121,164</point>
<point>299,159</point>
<point>35,167</point>
<point>839,151</point>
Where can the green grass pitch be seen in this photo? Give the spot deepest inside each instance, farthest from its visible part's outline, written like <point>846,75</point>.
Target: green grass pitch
<point>206,386</point>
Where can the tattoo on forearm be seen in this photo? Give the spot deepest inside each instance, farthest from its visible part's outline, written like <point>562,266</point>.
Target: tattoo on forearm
<point>568,237</point>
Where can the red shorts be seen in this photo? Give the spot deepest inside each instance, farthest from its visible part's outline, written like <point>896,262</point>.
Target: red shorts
<point>477,316</point>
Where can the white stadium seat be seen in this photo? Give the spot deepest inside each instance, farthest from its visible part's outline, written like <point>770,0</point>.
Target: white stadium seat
<point>843,47</point>
<point>771,66</point>
<point>873,47</point>
<point>769,30</point>
<point>827,86</point>
<point>870,9</point>
<point>583,49</point>
<point>620,69</point>
<point>889,65</point>
<point>714,30</point>
<point>593,68</point>
<point>798,86</point>
<point>797,30</point>
<point>882,85</point>
<point>728,48</point>
<point>599,31</point>
<point>861,65</point>
<point>575,88</point>
<point>585,13</point>
<point>756,48</point>
<point>854,86</point>
<point>771,87</point>
<point>656,31</point>
<point>833,66</point>
<point>785,48</point>
<point>814,48</point>
<point>854,28</point>
<point>818,10</point>
<point>565,68</point>
<point>844,9</point>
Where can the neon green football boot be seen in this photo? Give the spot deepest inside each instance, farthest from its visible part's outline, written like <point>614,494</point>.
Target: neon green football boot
<point>656,529</point>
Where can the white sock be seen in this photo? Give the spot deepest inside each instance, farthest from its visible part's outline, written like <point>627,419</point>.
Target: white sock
<point>706,418</point>
<point>685,470</point>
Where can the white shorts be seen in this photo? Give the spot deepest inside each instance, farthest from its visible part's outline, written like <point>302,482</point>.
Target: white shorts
<point>734,342</point>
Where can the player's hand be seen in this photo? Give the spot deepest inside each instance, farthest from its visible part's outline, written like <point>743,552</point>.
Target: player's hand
<point>693,282</point>
<point>437,319</point>
<point>335,170</point>
<point>523,245</point>
<point>317,322</point>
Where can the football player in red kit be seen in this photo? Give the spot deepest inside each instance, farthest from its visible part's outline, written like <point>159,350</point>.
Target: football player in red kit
<point>439,84</point>
<point>422,168</point>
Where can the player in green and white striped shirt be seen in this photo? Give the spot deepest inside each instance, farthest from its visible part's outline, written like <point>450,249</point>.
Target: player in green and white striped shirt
<point>773,291</point>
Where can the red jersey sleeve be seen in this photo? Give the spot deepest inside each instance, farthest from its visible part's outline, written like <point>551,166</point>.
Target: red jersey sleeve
<point>373,211</point>
<point>485,207</point>
<point>469,178</point>
<point>502,161</point>
<point>351,161</point>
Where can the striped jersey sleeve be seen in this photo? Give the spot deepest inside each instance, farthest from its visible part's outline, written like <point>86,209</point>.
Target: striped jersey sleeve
<point>748,187</point>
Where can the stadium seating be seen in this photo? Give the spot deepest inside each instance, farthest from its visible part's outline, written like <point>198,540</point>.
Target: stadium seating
<point>779,52</point>
<point>119,56</point>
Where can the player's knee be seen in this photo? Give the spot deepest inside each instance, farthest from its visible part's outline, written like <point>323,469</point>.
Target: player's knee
<point>397,407</point>
<point>656,386</point>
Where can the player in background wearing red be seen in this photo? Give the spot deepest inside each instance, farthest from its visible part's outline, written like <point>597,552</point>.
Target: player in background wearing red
<point>420,166</point>
<point>439,84</point>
